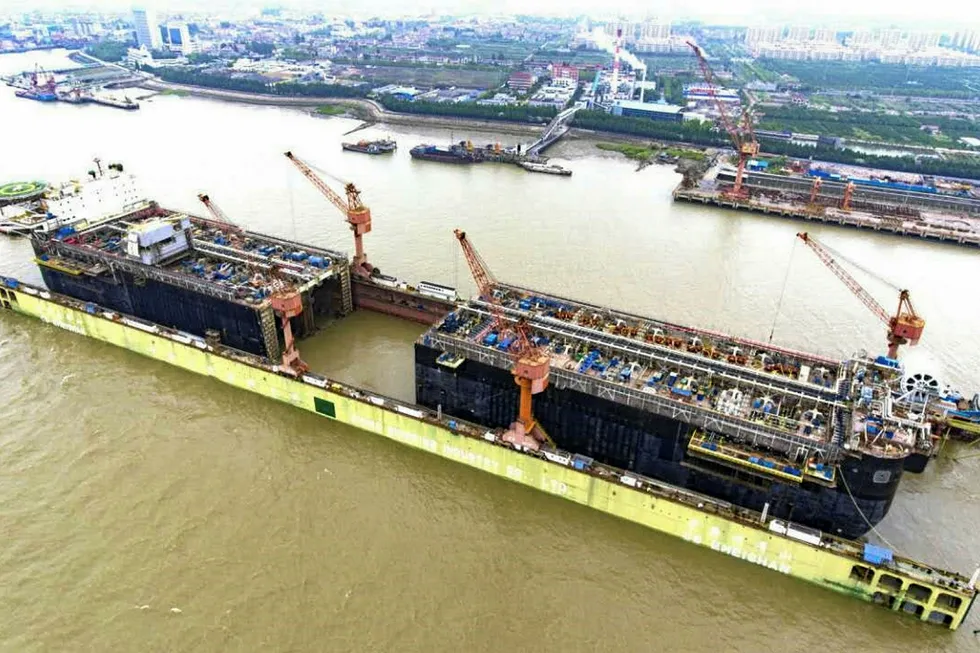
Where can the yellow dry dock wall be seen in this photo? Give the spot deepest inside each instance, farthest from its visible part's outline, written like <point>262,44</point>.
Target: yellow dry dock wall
<point>836,570</point>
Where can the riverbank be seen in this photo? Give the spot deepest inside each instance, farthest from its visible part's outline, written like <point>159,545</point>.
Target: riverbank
<point>364,109</point>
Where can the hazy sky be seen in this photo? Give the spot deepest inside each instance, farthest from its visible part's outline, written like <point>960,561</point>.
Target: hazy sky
<point>832,13</point>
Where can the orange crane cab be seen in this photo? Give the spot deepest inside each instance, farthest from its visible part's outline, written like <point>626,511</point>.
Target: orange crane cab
<point>905,327</point>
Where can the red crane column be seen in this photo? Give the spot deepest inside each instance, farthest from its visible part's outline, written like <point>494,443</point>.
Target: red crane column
<point>531,364</point>
<point>744,141</point>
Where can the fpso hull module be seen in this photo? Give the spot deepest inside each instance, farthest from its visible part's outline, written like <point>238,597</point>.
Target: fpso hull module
<point>866,572</point>
<point>794,435</point>
<point>196,275</point>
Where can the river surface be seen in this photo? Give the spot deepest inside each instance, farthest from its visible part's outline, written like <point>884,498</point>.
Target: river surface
<point>129,489</point>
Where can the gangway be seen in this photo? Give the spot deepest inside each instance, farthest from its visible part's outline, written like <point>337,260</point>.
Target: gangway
<point>555,130</point>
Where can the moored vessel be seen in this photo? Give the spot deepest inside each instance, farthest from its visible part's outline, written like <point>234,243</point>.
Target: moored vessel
<point>382,146</point>
<point>871,573</point>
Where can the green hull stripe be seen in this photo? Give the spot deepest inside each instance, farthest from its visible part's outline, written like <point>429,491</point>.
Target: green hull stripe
<point>836,565</point>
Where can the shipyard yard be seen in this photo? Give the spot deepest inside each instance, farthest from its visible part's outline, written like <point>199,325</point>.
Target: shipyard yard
<point>241,513</point>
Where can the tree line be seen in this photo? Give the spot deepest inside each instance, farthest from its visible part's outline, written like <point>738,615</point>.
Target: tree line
<point>509,113</point>
<point>249,85</point>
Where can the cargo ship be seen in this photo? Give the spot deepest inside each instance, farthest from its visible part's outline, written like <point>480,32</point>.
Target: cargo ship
<point>461,152</point>
<point>103,194</point>
<point>383,146</point>
<point>872,573</point>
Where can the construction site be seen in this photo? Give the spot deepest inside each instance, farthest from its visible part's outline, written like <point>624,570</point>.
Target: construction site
<point>929,209</point>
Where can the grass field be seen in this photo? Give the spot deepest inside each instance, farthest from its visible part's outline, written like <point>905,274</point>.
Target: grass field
<point>647,152</point>
<point>433,76</point>
<point>331,109</point>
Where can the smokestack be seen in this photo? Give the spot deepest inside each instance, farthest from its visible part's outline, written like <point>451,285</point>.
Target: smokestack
<point>643,84</point>
<point>615,77</point>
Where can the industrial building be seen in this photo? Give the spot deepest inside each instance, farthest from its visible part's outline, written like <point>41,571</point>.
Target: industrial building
<point>650,110</point>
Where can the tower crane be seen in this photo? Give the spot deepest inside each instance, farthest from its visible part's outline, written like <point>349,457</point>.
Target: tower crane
<point>531,363</point>
<point>358,215</point>
<point>904,327</point>
<point>741,135</point>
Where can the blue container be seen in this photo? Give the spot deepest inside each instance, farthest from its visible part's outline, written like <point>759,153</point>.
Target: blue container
<point>877,555</point>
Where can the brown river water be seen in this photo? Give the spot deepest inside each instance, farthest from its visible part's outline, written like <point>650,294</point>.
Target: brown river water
<point>148,509</point>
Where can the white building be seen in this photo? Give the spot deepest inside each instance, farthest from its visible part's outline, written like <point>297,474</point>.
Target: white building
<point>179,38</point>
<point>147,29</point>
<point>757,35</point>
<point>797,33</point>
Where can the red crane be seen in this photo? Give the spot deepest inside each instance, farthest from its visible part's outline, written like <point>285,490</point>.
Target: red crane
<point>531,363</point>
<point>904,327</point>
<point>358,215</point>
<point>217,213</point>
<point>741,135</point>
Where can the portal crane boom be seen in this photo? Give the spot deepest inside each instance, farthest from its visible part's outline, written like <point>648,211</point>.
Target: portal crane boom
<point>904,327</point>
<point>741,134</point>
<point>357,214</point>
<point>216,211</point>
<point>531,363</point>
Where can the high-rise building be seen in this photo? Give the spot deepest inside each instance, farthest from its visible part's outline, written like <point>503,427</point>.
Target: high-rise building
<point>757,35</point>
<point>890,38</point>
<point>178,37</point>
<point>147,28</point>
<point>863,37</point>
<point>798,33</point>
<point>824,35</point>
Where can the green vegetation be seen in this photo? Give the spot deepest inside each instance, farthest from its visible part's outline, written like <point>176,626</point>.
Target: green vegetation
<point>331,110</point>
<point>868,126</point>
<point>647,152</point>
<point>109,50</point>
<point>174,91</point>
<point>260,48</point>
<point>247,85</point>
<point>512,113</point>
<point>963,166</point>
<point>689,131</point>
<point>895,79</point>
<point>197,58</point>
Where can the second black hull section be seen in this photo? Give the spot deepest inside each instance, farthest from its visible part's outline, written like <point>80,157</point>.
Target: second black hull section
<point>656,446</point>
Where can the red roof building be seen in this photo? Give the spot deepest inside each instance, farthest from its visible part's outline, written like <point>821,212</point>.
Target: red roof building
<point>521,81</point>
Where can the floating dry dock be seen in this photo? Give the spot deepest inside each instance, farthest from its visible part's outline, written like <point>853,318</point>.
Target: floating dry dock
<point>863,571</point>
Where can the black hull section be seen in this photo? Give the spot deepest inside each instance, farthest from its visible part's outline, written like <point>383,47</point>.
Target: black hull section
<point>239,325</point>
<point>657,447</point>
<point>164,304</point>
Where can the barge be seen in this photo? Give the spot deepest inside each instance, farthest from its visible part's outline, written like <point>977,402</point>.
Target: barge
<point>863,571</point>
<point>383,146</point>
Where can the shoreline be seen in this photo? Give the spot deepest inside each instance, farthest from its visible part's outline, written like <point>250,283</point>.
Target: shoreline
<point>367,110</point>
<point>372,112</point>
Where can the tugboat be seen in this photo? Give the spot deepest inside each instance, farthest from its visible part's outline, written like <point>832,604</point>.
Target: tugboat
<point>383,146</point>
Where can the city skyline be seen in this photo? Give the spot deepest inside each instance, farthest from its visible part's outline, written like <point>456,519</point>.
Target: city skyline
<point>758,13</point>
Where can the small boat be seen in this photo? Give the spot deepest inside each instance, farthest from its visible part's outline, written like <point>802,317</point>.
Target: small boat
<point>532,166</point>
<point>383,146</point>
